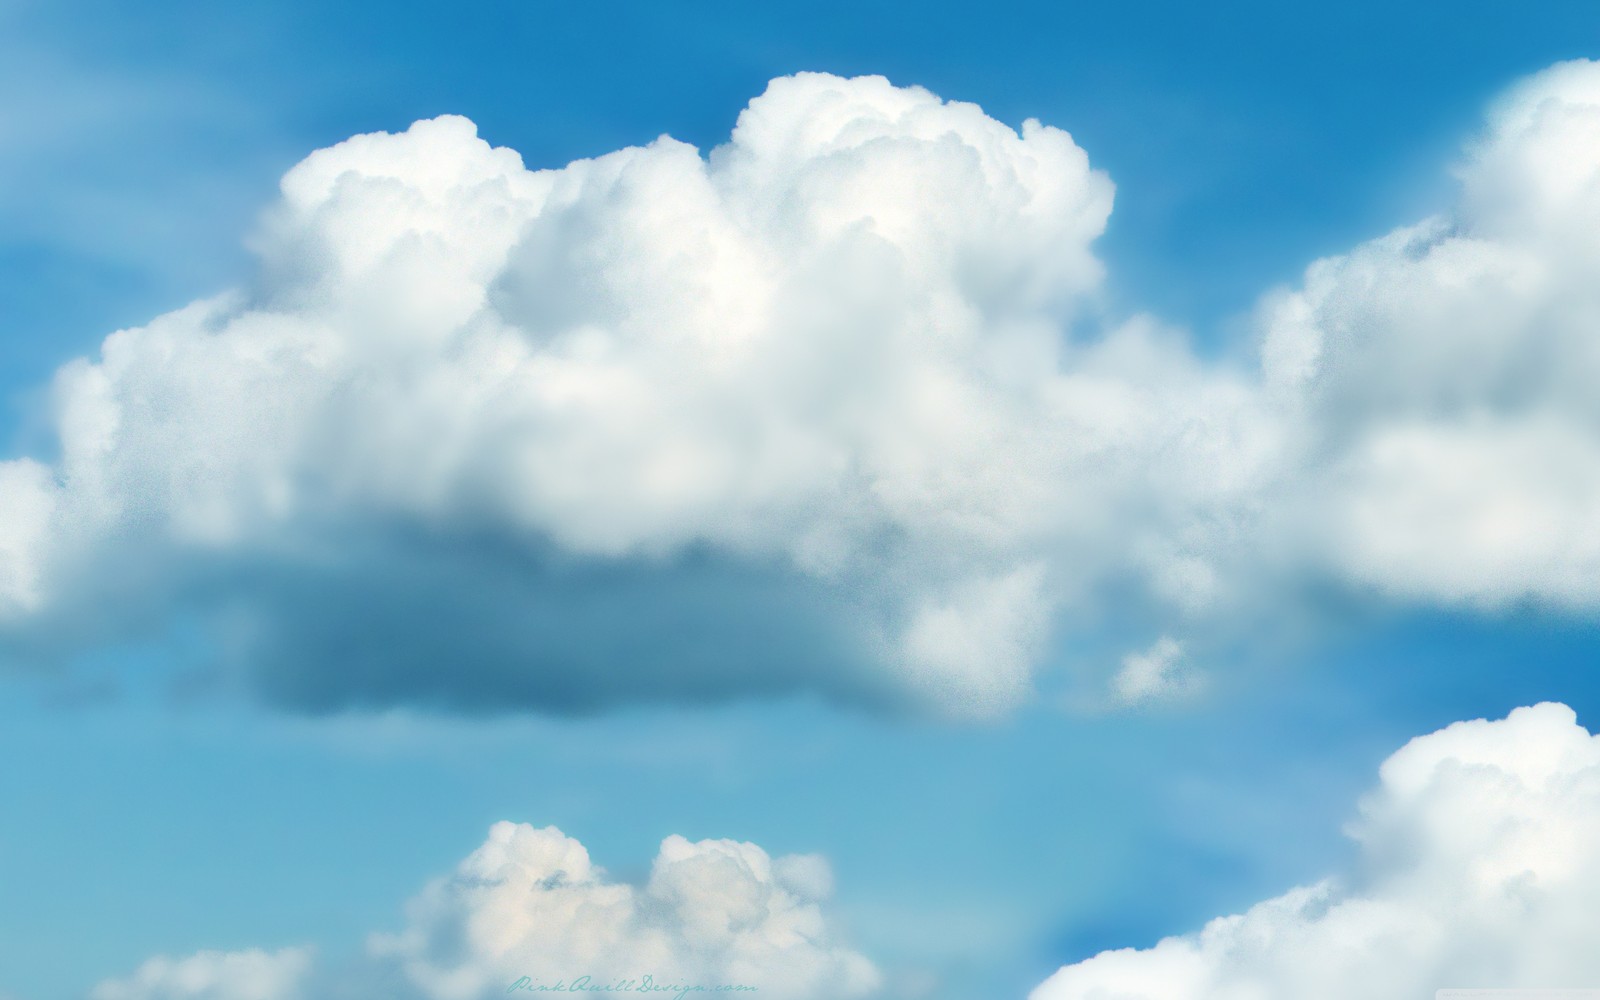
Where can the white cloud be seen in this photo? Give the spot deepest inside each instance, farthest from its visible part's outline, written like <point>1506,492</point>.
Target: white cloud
<point>805,414</point>
<point>1477,870</point>
<point>29,495</point>
<point>1442,376</point>
<point>776,357</point>
<point>530,903</point>
<point>1160,673</point>
<point>215,975</point>
<point>1484,510</point>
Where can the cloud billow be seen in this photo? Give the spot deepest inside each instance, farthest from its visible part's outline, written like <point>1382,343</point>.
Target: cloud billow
<point>1441,377</point>
<point>1476,871</point>
<point>650,426</point>
<point>801,415</point>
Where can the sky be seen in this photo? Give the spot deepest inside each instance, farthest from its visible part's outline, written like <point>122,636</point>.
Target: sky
<point>995,489</point>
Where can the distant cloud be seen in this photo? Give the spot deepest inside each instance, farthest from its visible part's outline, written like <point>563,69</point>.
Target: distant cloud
<point>834,409</point>
<point>1477,869</point>
<point>530,903</point>
<point>215,975</point>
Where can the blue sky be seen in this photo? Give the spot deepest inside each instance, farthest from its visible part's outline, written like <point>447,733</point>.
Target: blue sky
<point>155,805</point>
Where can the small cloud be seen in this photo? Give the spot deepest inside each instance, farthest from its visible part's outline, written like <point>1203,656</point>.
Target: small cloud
<point>1160,673</point>
<point>215,975</point>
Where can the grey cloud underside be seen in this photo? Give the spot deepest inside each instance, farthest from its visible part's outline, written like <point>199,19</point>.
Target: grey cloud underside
<point>530,901</point>
<point>488,627</point>
<point>484,624</point>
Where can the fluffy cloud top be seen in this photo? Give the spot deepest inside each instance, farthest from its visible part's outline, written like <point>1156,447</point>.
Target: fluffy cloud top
<point>530,903</point>
<point>1477,870</point>
<point>830,409</point>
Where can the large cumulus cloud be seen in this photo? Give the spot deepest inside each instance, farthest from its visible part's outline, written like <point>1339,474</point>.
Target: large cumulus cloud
<point>529,905</point>
<point>834,408</point>
<point>651,425</point>
<point>1477,870</point>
